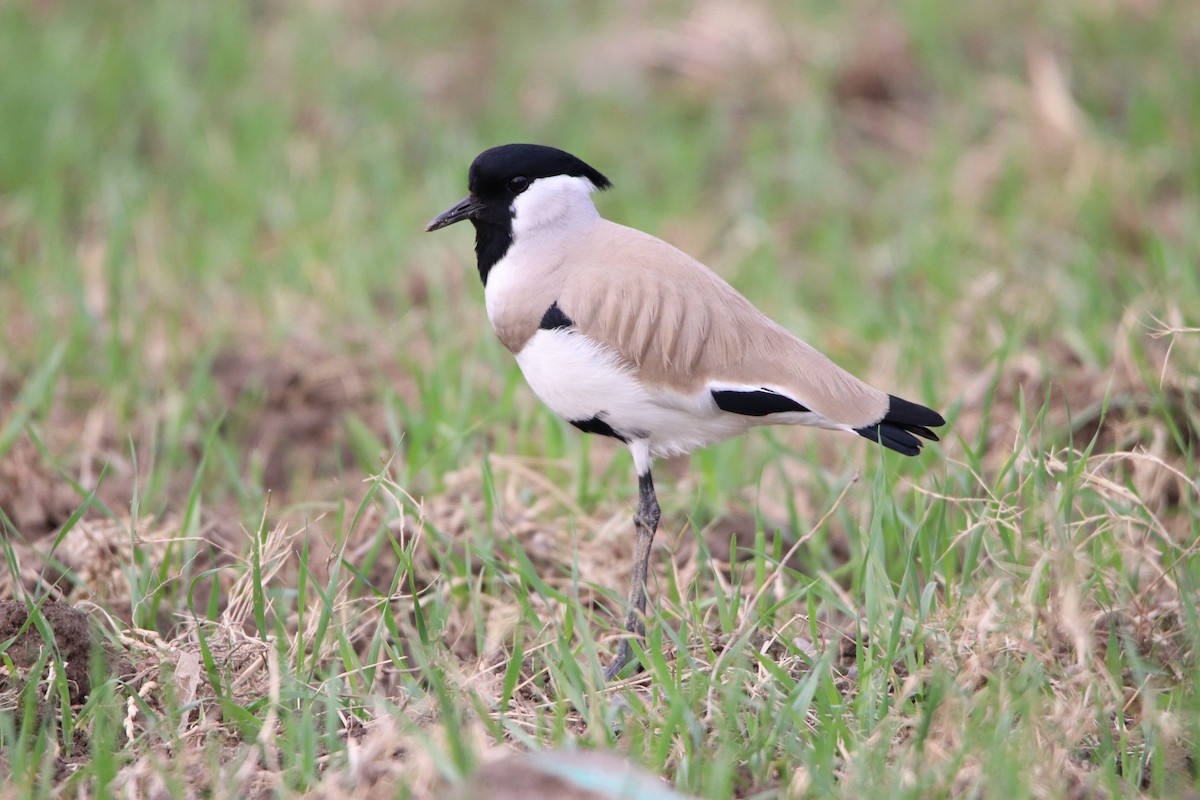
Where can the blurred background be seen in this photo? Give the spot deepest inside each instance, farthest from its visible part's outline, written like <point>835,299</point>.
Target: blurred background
<point>220,315</point>
<point>216,211</point>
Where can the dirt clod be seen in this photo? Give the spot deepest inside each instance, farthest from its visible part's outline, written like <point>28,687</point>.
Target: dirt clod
<point>72,640</point>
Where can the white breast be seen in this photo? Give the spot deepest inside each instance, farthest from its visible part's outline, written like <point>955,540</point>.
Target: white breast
<point>579,378</point>
<point>548,220</point>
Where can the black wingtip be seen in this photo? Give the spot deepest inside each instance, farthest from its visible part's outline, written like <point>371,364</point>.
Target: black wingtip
<point>902,424</point>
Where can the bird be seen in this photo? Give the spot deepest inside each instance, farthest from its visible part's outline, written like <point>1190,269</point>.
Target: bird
<point>625,336</point>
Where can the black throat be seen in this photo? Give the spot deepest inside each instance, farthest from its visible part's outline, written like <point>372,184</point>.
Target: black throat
<point>493,237</point>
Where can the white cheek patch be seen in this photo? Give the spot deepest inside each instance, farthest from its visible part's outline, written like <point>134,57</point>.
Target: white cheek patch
<point>555,200</point>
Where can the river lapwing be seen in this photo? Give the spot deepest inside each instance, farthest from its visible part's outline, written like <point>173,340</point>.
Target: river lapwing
<point>623,335</point>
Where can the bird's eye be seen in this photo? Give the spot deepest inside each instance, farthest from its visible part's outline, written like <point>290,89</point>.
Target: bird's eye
<point>518,184</point>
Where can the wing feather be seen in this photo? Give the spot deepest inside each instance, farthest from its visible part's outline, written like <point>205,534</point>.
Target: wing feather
<point>679,325</point>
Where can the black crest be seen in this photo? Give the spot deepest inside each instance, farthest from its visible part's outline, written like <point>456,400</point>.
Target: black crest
<point>494,169</point>
<point>497,176</point>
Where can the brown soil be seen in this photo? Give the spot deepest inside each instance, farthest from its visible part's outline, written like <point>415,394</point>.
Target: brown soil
<point>72,641</point>
<point>33,495</point>
<point>288,406</point>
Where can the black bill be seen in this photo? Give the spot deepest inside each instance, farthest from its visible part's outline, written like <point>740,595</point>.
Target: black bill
<point>467,208</point>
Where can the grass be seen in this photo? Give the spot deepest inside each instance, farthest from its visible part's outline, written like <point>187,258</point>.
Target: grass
<point>253,423</point>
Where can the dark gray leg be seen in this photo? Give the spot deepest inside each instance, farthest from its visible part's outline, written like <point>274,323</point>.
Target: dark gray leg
<point>646,523</point>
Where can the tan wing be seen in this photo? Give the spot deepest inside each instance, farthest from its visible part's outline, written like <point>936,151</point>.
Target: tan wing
<point>681,326</point>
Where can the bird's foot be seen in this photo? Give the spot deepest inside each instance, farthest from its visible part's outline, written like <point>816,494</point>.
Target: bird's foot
<point>620,660</point>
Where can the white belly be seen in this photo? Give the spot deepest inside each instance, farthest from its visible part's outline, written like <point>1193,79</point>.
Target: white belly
<point>579,379</point>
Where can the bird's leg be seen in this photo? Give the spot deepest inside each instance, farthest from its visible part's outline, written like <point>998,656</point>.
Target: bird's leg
<point>645,523</point>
